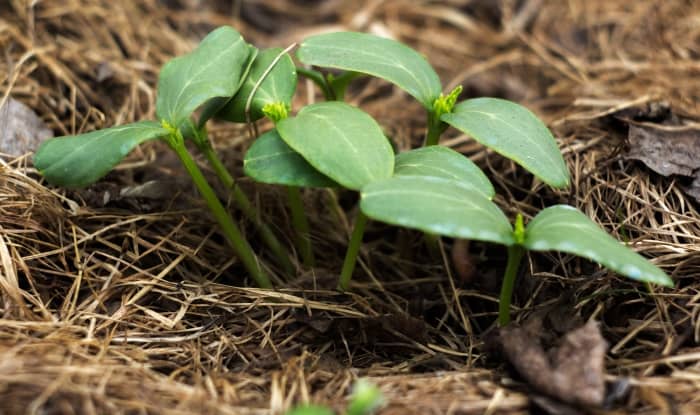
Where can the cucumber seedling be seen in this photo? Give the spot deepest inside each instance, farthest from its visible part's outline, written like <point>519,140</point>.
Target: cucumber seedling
<point>211,74</point>
<point>452,208</point>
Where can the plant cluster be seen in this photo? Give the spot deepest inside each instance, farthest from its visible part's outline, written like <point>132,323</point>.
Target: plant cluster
<point>333,144</point>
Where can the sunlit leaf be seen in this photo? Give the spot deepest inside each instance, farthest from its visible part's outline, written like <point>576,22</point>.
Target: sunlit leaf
<point>377,56</point>
<point>340,141</point>
<point>79,160</point>
<point>564,228</point>
<point>438,206</point>
<point>278,86</point>
<point>439,161</point>
<point>213,69</point>
<point>514,132</point>
<point>271,160</point>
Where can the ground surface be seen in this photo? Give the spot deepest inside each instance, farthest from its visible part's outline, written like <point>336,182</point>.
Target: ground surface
<point>115,303</point>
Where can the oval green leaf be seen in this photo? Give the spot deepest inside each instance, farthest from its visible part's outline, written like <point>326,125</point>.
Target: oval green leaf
<point>271,160</point>
<point>564,228</point>
<point>341,141</point>
<point>514,132</point>
<point>438,206</point>
<point>376,56</point>
<point>80,160</point>
<point>278,85</point>
<point>439,161</point>
<point>213,69</point>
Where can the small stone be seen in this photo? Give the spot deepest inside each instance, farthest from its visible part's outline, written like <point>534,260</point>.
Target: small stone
<point>21,130</point>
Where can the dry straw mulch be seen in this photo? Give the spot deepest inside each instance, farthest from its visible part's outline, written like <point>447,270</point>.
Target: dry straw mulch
<point>117,304</point>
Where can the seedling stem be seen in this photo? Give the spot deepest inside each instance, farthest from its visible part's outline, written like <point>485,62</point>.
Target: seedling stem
<point>320,81</point>
<point>228,226</point>
<point>353,249</point>
<point>301,226</point>
<point>515,255</point>
<point>242,201</point>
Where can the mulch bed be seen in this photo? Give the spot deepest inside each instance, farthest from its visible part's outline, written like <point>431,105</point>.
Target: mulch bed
<point>118,302</point>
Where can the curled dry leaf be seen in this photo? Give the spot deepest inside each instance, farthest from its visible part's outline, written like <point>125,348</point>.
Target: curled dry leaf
<point>668,150</point>
<point>572,372</point>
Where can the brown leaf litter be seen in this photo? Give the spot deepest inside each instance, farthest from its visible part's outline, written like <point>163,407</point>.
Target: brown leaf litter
<point>668,150</point>
<point>572,371</point>
<point>132,303</point>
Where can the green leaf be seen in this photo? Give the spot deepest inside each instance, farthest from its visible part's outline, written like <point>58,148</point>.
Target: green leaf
<point>438,206</point>
<point>377,56</point>
<point>278,87</point>
<point>80,160</point>
<point>341,141</point>
<point>311,410</point>
<point>214,105</point>
<point>271,160</point>
<point>213,69</point>
<point>366,397</point>
<point>514,132</point>
<point>564,228</point>
<point>439,161</point>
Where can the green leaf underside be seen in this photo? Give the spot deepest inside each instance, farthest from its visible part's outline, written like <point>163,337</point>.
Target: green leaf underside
<point>278,86</point>
<point>439,161</point>
<point>340,141</point>
<point>436,205</point>
<point>213,69</point>
<point>564,228</point>
<point>80,160</point>
<point>271,160</point>
<point>514,132</point>
<point>376,56</point>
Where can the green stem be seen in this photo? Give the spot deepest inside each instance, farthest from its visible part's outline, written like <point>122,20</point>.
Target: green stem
<point>339,84</point>
<point>353,249</point>
<point>515,255</point>
<point>301,225</point>
<point>435,129</point>
<point>244,204</point>
<point>228,226</point>
<point>317,78</point>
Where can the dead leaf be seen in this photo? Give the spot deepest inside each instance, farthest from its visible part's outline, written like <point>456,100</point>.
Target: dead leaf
<point>21,130</point>
<point>668,150</point>
<point>572,372</point>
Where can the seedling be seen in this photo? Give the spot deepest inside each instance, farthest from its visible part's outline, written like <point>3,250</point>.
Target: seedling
<point>450,208</point>
<point>365,399</point>
<point>215,69</point>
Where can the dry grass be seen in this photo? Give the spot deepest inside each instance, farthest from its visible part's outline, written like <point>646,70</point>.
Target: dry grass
<point>134,306</point>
